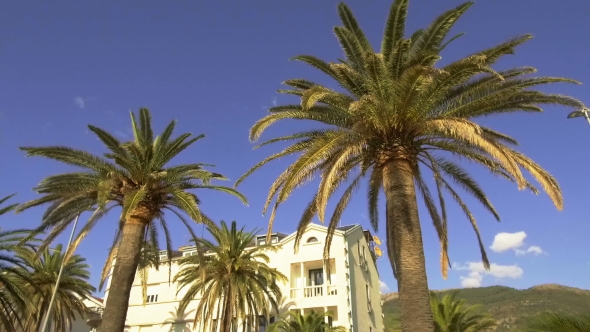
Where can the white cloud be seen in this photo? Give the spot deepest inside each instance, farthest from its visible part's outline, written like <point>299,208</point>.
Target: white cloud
<point>384,287</point>
<point>506,241</point>
<point>121,134</point>
<point>80,102</point>
<point>536,250</point>
<point>473,280</point>
<point>274,101</point>
<point>477,272</point>
<point>514,241</point>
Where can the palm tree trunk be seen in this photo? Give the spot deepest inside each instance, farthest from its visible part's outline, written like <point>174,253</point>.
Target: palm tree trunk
<point>404,230</point>
<point>226,316</point>
<point>115,311</point>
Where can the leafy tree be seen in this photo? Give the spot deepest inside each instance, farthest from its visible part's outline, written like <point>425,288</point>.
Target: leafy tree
<point>396,118</point>
<point>554,322</point>
<point>133,176</point>
<point>233,280</point>
<point>311,322</point>
<point>42,269</point>
<point>451,315</point>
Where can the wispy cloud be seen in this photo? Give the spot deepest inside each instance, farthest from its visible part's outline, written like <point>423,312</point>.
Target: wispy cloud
<point>535,250</point>
<point>383,286</point>
<point>47,126</point>
<point>80,102</point>
<point>273,102</point>
<point>121,134</point>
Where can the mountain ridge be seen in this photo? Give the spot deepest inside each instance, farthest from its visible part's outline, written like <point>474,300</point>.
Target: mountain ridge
<point>513,308</point>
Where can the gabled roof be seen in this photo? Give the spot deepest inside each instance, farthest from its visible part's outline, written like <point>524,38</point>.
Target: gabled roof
<point>345,228</point>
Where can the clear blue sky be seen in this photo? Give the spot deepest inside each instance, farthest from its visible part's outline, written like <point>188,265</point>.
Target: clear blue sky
<point>215,67</point>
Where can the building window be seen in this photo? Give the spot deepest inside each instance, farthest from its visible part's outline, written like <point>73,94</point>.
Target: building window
<point>261,324</point>
<point>274,240</point>
<point>152,293</point>
<point>316,277</point>
<point>312,239</point>
<point>261,242</point>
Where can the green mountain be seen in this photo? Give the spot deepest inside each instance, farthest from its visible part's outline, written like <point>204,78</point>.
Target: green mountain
<point>513,308</point>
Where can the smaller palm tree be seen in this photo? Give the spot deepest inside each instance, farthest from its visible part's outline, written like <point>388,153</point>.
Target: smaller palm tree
<point>232,278</point>
<point>553,322</point>
<point>12,299</point>
<point>451,315</point>
<point>42,269</point>
<point>311,322</point>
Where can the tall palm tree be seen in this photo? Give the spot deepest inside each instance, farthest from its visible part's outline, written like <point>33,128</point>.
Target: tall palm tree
<point>452,315</point>
<point>135,177</point>
<point>42,269</point>
<point>311,322</point>
<point>554,322</point>
<point>395,116</point>
<point>12,299</point>
<point>233,280</point>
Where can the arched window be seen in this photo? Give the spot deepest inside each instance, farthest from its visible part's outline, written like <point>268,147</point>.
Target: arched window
<point>312,239</point>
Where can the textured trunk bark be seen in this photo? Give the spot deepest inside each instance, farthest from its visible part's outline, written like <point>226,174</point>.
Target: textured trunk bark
<point>124,272</point>
<point>403,226</point>
<point>226,319</point>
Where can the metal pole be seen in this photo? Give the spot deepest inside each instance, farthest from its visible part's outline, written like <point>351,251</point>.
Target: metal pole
<point>61,268</point>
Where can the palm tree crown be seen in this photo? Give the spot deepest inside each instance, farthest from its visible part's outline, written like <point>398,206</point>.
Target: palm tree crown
<point>451,315</point>
<point>135,177</point>
<point>395,116</point>
<point>12,299</point>
<point>233,279</point>
<point>43,269</point>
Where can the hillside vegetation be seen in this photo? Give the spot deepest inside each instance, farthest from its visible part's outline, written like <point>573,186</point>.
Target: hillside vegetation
<point>511,307</point>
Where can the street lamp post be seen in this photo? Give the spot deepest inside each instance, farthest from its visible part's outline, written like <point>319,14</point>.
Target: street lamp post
<point>61,268</point>
<point>585,112</point>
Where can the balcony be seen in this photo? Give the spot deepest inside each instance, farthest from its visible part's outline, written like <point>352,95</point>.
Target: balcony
<point>94,317</point>
<point>314,291</point>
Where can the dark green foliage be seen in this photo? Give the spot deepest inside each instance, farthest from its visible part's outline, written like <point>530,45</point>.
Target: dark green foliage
<point>512,308</point>
<point>551,322</point>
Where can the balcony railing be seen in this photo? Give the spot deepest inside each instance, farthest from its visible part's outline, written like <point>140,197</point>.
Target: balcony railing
<point>94,316</point>
<point>314,291</point>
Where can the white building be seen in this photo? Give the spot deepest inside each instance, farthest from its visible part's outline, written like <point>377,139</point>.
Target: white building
<point>352,295</point>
